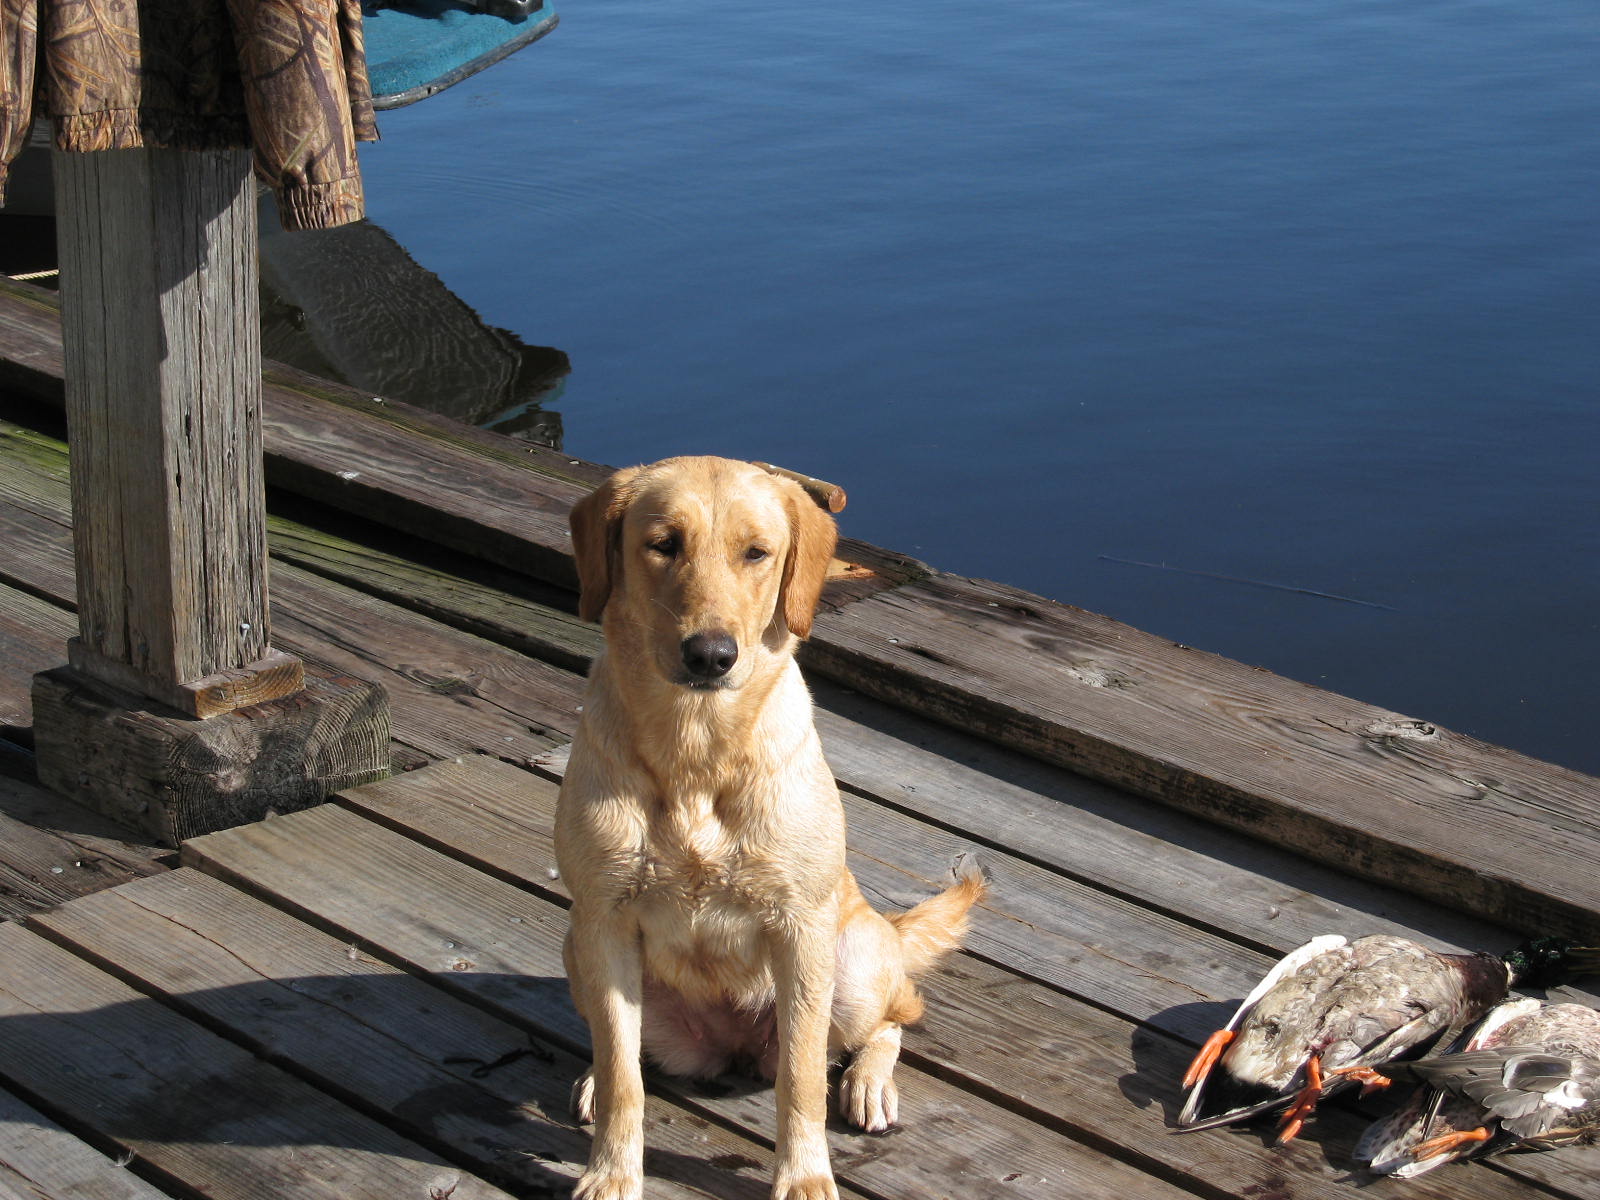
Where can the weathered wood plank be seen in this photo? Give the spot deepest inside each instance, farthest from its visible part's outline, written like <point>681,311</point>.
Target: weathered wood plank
<point>1465,770</point>
<point>30,331</point>
<point>512,610</point>
<point>1251,892</point>
<point>1363,812</point>
<point>33,638</point>
<point>33,471</point>
<point>1193,902</point>
<point>41,1161</point>
<point>1102,1076</point>
<point>1379,748</point>
<point>1157,855</point>
<point>36,548</point>
<point>195,1108</point>
<point>1056,866</point>
<point>909,887</point>
<point>438,916</point>
<point>449,1075</point>
<point>53,849</point>
<point>34,486</point>
<point>41,866</point>
<point>451,692</point>
<point>1286,908</point>
<point>505,501</point>
<point>1402,872</point>
<point>1373,793</point>
<point>367,463</point>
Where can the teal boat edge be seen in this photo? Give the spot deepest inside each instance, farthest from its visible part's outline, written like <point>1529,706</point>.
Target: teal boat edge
<point>419,50</point>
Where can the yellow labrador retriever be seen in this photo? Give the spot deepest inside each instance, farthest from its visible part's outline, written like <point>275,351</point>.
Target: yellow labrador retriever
<point>700,831</point>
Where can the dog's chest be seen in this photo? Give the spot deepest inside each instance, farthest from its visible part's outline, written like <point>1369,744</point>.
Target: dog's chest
<point>692,858</point>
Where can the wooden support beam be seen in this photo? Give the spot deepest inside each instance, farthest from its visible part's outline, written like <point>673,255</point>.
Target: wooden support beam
<point>162,361</point>
<point>162,347</point>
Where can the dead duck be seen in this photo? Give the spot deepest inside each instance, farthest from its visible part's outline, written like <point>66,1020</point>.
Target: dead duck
<point>1336,1003</point>
<point>1528,1077</point>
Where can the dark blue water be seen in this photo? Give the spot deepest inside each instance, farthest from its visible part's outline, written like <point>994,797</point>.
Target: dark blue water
<point>1300,292</point>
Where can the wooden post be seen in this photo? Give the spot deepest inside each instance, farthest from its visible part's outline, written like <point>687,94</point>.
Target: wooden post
<point>161,340</point>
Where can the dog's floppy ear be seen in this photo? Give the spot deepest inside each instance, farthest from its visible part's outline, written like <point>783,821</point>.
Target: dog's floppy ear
<point>812,536</point>
<point>596,523</point>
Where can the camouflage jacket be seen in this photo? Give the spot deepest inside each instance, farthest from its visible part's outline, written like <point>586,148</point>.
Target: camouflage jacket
<point>286,77</point>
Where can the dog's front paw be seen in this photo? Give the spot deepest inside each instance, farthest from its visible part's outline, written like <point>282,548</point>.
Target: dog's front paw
<point>868,1100</point>
<point>609,1185</point>
<point>803,1171</point>
<point>811,1187</point>
<point>582,1100</point>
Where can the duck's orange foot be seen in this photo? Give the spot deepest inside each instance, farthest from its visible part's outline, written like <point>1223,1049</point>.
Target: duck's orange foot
<point>1305,1101</point>
<point>1370,1080</point>
<point>1207,1057</point>
<point>1447,1142</point>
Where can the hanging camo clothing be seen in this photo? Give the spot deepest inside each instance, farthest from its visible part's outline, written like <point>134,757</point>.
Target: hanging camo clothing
<point>286,77</point>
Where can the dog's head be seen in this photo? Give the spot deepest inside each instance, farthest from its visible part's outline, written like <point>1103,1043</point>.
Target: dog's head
<point>699,565</point>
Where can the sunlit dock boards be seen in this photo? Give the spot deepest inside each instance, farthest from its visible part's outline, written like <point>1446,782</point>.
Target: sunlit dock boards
<point>366,998</point>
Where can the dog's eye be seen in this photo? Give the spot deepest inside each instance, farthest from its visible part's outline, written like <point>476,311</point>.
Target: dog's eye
<point>754,554</point>
<point>666,547</point>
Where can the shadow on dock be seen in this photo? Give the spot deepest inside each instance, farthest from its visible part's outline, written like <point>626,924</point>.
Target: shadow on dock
<point>459,1083</point>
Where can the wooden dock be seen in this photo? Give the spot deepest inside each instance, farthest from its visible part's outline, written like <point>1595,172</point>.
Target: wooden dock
<point>366,998</point>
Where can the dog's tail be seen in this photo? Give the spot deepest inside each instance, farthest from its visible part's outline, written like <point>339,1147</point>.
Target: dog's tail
<point>936,926</point>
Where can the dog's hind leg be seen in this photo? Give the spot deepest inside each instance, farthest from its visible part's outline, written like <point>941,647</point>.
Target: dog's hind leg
<point>582,1100</point>
<point>872,1000</point>
<point>868,1098</point>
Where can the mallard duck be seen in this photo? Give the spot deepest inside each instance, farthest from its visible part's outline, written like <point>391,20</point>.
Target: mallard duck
<point>1334,1004</point>
<point>1527,1077</point>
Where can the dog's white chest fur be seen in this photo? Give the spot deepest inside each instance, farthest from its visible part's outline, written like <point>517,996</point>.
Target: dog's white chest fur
<point>689,858</point>
<point>701,905</point>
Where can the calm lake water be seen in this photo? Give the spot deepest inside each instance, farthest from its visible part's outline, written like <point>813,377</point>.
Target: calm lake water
<point>1300,292</point>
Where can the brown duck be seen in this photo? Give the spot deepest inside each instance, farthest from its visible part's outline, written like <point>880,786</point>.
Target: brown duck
<point>1335,1004</point>
<point>1528,1077</point>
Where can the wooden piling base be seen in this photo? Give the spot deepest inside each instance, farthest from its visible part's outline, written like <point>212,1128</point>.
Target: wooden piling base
<point>274,676</point>
<point>158,769</point>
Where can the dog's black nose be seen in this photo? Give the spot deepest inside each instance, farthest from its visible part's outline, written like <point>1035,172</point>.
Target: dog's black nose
<point>709,655</point>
